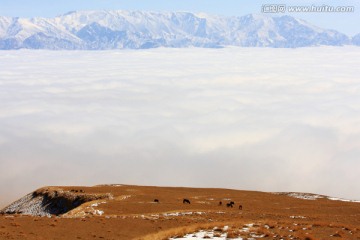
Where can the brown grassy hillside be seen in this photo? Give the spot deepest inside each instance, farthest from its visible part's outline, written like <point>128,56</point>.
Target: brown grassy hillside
<point>129,212</point>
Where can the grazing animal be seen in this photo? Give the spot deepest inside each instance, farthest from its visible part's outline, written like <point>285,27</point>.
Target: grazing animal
<point>156,200</point>
<point>230,204</point>
<point>186,201</point>
<point>220,203</point>
<point>240,207</point>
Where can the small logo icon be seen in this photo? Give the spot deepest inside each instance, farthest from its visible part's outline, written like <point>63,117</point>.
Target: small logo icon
<point>273,8</point>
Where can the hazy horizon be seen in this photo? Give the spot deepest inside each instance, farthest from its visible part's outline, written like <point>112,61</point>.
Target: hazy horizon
<point>234,118</point>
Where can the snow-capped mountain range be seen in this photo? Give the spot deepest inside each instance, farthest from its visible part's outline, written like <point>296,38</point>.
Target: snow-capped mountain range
<point>98,30</point>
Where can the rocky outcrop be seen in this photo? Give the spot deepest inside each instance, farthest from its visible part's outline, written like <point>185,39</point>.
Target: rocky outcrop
<point>50,201</point>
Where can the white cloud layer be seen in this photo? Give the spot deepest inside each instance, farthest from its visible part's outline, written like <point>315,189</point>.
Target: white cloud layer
<point>244,118</point>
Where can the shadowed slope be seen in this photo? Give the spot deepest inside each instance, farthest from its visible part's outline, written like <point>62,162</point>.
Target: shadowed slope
<point>51,201</point>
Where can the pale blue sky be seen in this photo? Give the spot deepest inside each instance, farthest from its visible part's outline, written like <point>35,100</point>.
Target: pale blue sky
<point>347,23</point>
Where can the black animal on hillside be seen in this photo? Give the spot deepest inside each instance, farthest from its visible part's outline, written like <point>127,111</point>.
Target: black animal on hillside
<point>156,200</point>
<point>240,207</point>
<point>220,203</point>
<point>186,201</point>
<point>230,204</point>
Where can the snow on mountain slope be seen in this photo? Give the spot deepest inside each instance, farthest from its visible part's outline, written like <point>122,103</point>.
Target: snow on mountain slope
<point>140,29</point>
<point>356,39</point>
<point>5,22</point>
<point>35,33</point>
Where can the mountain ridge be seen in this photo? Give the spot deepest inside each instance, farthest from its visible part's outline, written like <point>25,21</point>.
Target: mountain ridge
<point>120,29</point>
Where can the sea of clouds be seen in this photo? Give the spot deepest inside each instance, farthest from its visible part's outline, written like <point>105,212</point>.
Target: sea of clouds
<point>244,118</point>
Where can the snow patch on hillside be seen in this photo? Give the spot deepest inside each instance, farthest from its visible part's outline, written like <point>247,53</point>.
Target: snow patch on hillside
<point>310,196</point>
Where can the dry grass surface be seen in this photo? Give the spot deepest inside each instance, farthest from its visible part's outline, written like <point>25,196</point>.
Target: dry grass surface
<point>129,212</point>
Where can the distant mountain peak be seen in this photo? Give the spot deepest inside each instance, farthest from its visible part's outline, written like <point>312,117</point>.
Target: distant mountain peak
<point>117,29</point>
